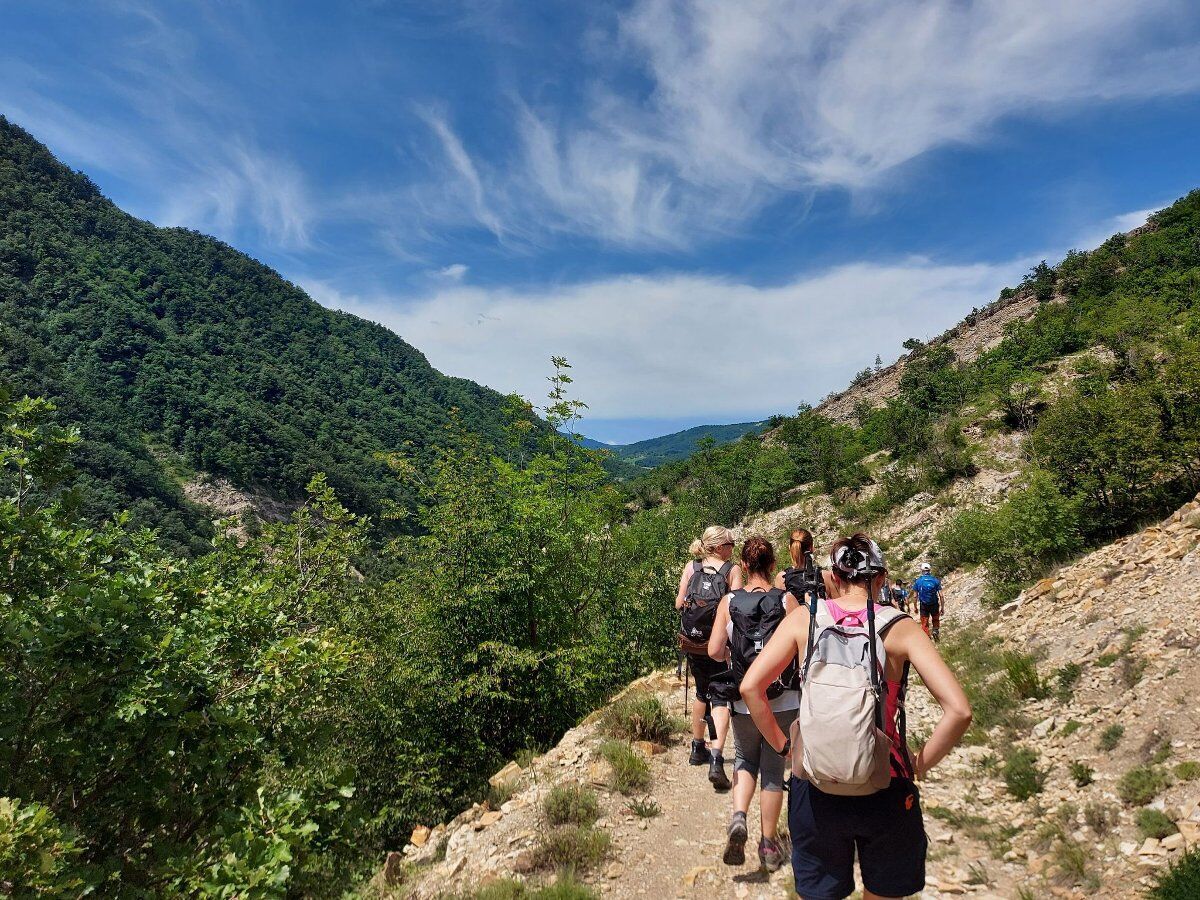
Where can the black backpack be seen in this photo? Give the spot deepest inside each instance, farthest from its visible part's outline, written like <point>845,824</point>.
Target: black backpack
<point>799,581</point>
<point>704,593</point>
<point>755,616</point>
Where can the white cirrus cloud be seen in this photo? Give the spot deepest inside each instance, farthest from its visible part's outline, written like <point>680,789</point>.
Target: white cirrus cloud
<point>748,102</point>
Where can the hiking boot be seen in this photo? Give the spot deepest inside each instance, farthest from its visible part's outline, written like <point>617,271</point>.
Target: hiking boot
<point>735,845</point>
<point>937,635</point>
<point>716,773</point>
<point>700,754</point>
<point>770,854</point>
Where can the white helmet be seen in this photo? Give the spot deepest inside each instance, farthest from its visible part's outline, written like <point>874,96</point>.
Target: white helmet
<point>925,567</point>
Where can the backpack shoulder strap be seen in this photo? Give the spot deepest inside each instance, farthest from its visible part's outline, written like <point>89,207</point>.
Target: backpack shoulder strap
<point>725,570</point>
<point>886,617</point>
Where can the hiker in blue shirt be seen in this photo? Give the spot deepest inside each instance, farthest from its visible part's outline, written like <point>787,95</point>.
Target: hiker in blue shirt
<point>928,589</point>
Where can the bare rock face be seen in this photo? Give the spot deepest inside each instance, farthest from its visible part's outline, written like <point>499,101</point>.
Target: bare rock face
<point>229,502</point>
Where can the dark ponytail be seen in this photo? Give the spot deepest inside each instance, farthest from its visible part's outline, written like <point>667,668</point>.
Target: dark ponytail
<point>758,556</point>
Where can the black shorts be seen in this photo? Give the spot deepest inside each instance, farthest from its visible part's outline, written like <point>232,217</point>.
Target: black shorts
<point>931,609</point>
<point>886,830</point>
<point>714,681</point>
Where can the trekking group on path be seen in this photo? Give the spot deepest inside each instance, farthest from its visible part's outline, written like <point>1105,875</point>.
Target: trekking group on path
<point>809,668</point>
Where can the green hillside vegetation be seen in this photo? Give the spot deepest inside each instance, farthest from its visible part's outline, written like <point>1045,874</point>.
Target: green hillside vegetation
<point>173,353</point>
<point>262,720</point>
<point>1116,446</point>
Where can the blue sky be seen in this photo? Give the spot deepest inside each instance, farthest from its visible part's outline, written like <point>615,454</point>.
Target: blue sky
<point>715,210</point>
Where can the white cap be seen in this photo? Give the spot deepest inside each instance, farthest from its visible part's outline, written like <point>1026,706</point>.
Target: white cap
<point>924,567</point>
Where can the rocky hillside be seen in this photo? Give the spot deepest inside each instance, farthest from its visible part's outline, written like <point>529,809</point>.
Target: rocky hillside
<point>968,339</point>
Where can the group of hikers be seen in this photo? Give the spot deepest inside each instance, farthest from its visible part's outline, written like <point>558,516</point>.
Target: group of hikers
<point>809,667</point>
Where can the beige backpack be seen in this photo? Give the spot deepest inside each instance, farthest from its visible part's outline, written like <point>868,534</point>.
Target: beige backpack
<point>838,741</point>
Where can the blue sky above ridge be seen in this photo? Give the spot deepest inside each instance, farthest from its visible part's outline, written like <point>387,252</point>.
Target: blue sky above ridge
<point>681,196</point>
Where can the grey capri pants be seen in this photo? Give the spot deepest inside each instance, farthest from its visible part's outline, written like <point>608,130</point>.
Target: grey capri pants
<point>753,755</point>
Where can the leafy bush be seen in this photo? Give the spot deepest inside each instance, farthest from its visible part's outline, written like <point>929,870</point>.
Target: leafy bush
<point>1072,726</point>
<point>1111,736</point>
<point>1082,774</point>
<point>1181,881</point>
<point>1141,784</point>
<point>1036,527</point>
<point>1022,777</point>
<point>631,772</point>
<point>1154,823</point>
<point>569,804</point>
<point>1188,770</point>
<point>573,847</point>
<point>37,856</point>
<point>638,717</point>
<point>1022,672</point>
<point>1065,679</point>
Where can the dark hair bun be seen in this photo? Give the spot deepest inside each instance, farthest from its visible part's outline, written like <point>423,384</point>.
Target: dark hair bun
<point>758,556</point>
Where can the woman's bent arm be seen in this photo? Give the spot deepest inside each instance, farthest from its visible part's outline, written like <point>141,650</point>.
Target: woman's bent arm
<point>718,646</point>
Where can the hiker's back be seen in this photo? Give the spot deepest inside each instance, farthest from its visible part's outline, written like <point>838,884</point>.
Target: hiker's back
<point>754,615</point>
<point>708,584</point>
<point>848,737</point>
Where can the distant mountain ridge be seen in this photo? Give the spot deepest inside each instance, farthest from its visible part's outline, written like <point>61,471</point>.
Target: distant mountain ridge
<point>678,445</point>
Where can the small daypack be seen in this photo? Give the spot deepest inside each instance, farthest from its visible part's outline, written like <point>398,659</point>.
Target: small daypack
<point>704,592</point>
<point>838,738</point>
<point>755,615</point>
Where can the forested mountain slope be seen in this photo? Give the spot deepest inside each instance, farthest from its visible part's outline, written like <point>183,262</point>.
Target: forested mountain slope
<point>175,353</point>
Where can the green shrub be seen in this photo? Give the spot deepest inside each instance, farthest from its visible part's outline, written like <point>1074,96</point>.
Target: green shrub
<point>1104,660</point>
<point>644,807</point>
<point>1111,736</point>
<point>564,888</point>
<point>1100,817</point>
<point>1181,881</point>
<point>975,658</point>
<point>631,772</point>
<point>1154,823</point>
<point>1065,679</point>
<point>638,717</point>
<point>1082,774</point>
<point>1072,726</point>
<point>1022,673</point>
<point>1073,859</point>
<point>1022,777</point>
<point>1141,784</point>
<point>569,804</point>
<point>573,847</point>
<point>37,856</point>
<point>1131,668</point>
<point>499,794</point>
<point>1188,770</point>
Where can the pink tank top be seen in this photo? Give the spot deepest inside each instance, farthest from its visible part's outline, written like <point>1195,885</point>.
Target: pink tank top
<point>894,691</point>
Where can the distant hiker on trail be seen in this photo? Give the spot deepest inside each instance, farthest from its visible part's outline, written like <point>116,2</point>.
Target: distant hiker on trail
<point>900,595</point>
<point>746,620</point>
<point>928,589</point>
<point>702,584</point>
<point>852,789</point>
<point>800,548</point>
<point>895,595</point>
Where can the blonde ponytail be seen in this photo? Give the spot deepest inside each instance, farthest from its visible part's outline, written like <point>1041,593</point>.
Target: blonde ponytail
<point>709,542</point>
